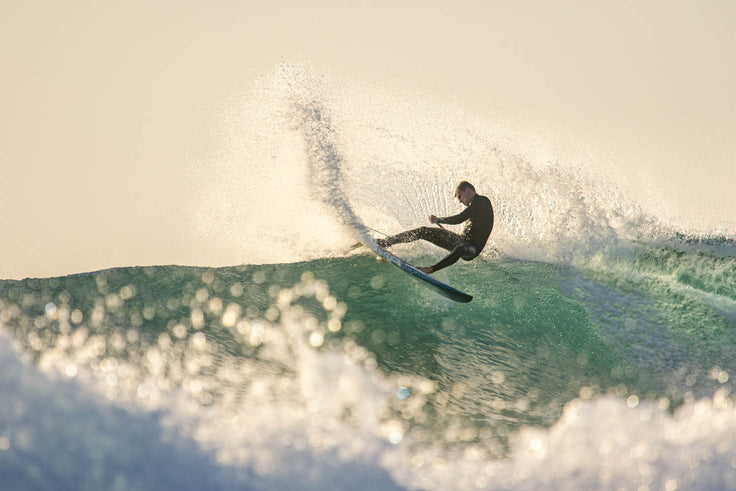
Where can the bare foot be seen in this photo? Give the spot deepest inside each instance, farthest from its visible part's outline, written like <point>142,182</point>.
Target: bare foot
<point>427,270</point>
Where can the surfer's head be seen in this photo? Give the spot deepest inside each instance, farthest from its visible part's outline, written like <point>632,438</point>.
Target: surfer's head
<point>465,192</point>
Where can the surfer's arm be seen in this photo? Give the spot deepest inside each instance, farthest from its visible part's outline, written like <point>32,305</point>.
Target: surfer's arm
<point>455,219</point>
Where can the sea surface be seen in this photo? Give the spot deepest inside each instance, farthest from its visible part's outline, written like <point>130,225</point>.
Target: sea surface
<point>599,351</point>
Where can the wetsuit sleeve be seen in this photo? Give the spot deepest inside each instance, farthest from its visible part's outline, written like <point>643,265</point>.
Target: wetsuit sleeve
<point>459,218</point>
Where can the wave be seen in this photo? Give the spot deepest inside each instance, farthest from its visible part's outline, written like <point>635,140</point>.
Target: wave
<point>343,369</point>
<point>599,349</point>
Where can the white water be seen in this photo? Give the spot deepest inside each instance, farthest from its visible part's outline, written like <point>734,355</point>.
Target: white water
<point>65,433</point>
<point>311,156</point>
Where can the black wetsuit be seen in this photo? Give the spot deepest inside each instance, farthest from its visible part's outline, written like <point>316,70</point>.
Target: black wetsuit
<point>467,245</point>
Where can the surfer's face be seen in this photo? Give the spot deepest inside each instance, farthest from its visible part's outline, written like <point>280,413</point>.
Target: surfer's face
<point>465,195</point>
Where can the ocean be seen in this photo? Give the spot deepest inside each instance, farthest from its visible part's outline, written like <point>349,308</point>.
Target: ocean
<point>599,351</point>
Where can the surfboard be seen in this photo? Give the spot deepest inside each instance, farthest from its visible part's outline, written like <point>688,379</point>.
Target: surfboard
<point>441,288</point>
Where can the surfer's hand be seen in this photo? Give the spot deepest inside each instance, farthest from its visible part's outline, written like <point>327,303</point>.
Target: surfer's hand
<point>432,219</point>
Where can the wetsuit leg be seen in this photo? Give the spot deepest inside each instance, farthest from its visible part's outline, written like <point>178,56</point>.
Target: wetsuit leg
<point>440,237</point>
<point>465,251</point>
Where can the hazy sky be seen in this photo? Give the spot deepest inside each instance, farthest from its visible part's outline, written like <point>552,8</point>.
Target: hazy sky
<point>103,100</point>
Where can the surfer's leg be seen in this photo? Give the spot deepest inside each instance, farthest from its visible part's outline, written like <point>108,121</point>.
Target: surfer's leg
<point>465,251</point>
<point>403,237</point>
<point>440,237</point>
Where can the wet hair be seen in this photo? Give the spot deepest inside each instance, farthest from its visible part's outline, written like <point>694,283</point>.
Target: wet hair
<point>463,185</point>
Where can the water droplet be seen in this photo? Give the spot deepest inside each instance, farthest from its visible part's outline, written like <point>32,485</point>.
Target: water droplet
<point>402,393</point>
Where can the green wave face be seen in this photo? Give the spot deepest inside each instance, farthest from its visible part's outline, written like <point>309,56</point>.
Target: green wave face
<point>656,323</point>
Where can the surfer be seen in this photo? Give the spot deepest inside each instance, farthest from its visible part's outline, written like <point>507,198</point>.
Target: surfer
<point>479,214</point>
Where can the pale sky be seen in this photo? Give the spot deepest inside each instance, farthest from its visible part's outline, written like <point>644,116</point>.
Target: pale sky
<point>103,101</point>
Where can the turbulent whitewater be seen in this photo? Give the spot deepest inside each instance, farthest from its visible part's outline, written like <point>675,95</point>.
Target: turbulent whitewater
<point>599,351</point>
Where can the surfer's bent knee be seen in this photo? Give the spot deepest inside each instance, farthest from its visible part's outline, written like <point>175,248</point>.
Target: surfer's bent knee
<point>469,252</point>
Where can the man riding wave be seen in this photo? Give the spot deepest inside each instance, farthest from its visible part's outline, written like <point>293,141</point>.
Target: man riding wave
<point>469,244</point>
